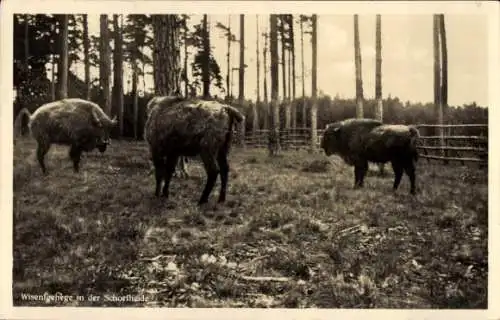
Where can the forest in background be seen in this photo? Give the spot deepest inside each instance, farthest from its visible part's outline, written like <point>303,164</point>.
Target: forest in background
<point>45,44</point>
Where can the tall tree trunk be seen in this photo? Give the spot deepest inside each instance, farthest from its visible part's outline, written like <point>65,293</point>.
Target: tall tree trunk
<point>143,69</point>
<point>437,74</point>
<point>294,87</point>
<point>292,48</point>
<point>53,77</point>
<point>288,62</point>
<point>105,64</point>
<point>379,115</point>
<point>304,109</point>
<point>443,105</point>
<point>63,61</point>
<point>379,109</point>
<point>437,64</point>
<point>289,71</point>
<point>314,42</point>
<point>135,73</point>
<point>274,144</point>
<point>359,81</point>
<point>264,57</point>
<point>283,56</point>
<point>228,77</point>
<point>166,54</point>
<point>266,104</point>
<point>118,73</point>
<point>241,82</point>
<point>257,51</point>
<point>283,69</point>
<point>186,79</point>
<point>444,62</point>
<point>255,124</point>
<point>289,95</point>
<point>86,58</point>
<point>206,59</point>
<point>166,61</point>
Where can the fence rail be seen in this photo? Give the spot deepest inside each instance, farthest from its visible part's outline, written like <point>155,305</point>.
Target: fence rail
<point>453,148</point>
<point>455,137</point>
<point>485,126</point>
<point>449,147</point>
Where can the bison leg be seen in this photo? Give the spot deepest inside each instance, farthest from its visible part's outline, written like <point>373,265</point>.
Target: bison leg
<point>362,173</point>
<point>398,173</point>
<point>41,151</point>
<point>224,173</point>
<point>212,170</point>
<point>409,168</point>
<point>169,172</point>
<point>360,170</point>
<point>159,164</point>
<point>75,154</point>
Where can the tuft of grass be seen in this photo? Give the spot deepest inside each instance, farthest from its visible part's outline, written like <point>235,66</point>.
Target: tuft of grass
<point>317,166</point>
<point>297,216</point>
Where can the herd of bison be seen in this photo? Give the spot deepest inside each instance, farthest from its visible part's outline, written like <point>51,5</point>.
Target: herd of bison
<point>177,127</point>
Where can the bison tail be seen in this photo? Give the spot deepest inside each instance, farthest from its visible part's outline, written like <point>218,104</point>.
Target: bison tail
<point>414,132</point>
<point>414,142</point>
<point>234,114</point>
<point>22,122</point>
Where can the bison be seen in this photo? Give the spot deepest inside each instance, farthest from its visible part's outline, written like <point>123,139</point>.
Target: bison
<point>182,161</point>
<point>177,127</point>
<point>77,123</point>
<point>359,141</point>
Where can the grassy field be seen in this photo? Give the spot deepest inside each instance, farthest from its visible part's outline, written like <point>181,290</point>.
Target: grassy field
<point>293,233</point>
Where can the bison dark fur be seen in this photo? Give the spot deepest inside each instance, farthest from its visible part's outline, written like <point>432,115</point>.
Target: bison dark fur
<point>77,123</point>
<point>178,127</point>
<point>359,141</point>
<point>182,161</point>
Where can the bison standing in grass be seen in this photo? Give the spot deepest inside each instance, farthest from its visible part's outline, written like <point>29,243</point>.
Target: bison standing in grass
<point>359,141</point>
<point>78,123</point>
<point>178,127</point>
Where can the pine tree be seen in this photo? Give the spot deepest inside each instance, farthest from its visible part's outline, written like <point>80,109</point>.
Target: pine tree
<point>86,57</point>
<point>241,80</point>
<point>357,63</point>
<point>105,63</point>
<point>166,54</point>
<point>314,118</point>
<point>206,59</point>
<point>255,122</point>
<point>378,69</point>
<point>63,67</point>
<point>274,144</point>
<point>118,72</point>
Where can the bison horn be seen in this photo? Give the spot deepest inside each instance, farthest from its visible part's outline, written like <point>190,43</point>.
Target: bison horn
<point>96,119</point>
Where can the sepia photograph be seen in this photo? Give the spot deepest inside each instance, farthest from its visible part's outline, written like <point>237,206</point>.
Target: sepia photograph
<point>278,159</point>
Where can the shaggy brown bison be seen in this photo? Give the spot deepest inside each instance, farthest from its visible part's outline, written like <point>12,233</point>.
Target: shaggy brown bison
<point>182,161</point>
<point>78,123</point>
<point>359,141</point>
<point>178,127</point>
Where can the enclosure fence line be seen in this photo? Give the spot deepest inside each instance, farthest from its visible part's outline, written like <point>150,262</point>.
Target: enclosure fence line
<point>459,142</point>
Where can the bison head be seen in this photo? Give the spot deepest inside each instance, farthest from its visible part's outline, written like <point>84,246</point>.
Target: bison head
<point>103,129</point>
<point>331,139</point>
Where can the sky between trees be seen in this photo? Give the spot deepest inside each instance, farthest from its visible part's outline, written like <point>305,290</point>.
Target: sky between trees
<point>407,61</point>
